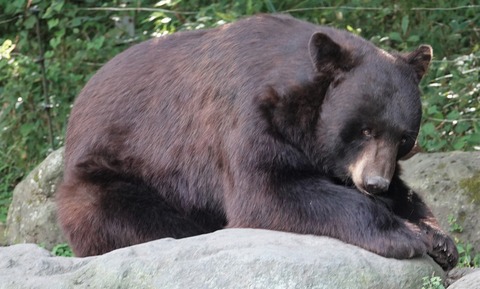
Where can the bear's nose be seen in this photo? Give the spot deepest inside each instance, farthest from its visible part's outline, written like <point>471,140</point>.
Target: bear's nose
<point>376,184</point>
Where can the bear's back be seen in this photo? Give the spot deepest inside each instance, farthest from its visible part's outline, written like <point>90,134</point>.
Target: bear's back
<point>184,96</point>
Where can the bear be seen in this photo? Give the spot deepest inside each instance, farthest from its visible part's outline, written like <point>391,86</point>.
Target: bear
<point>269,122</point>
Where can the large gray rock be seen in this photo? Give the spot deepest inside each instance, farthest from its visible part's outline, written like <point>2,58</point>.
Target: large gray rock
<point>469,281</point>
<point>32,213</point>
<point>450,184</point>
<point>233,258</point>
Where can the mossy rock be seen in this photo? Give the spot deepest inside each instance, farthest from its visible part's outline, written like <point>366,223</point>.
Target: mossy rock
<point>450,184</point>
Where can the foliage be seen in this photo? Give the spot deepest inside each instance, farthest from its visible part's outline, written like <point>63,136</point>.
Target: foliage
<point>76,42</point>
<point>78,37</point>
<point>455,227</point>
<point>62,250</point>
<point>452,91</point>
<point>452,105</point>
<point>433,282</point>
<point>467,257</point>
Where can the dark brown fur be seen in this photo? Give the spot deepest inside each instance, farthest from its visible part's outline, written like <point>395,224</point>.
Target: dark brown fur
<point>245,126</point>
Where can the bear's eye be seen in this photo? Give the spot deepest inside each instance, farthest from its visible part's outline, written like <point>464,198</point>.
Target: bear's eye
<point>403,141</point>
<point>367,132</point>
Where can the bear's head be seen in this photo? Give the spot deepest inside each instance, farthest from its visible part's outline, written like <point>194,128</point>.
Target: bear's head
<point>371,111</point>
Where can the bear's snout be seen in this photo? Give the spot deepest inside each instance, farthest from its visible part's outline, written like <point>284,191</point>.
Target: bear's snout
<point>376,184</point>
<point>373,169</point>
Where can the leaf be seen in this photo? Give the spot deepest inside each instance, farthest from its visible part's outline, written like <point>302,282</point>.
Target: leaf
<point>459,143</point>
<point>77,21</point>
<point>249,9</point>
<point>49,54</point>
<point>438,145</point>
<point>432,110</point>
<point>461,127</point>
<point>474,138</point>
<point>428,129</point>
<point>166,20</point>
<point>48,13</point>
<point>413,38</point>
<point>96,44</point>
<point>30,22</point>
<point>405,24</point>
<point>453,115</point>
<point>395,36</point>
<point>54,42</point>
<point>163,2</point>
<point>6,48</point>
<point>270,6</point>
<point>57,6</point>
<point>60,33</point>
<point>53,22</point>
<point>26,129</point>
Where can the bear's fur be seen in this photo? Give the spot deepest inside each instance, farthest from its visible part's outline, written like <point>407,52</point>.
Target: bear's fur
<point>269,122</point>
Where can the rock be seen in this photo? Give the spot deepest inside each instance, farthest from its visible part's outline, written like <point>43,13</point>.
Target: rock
<point>469,281</point>
<point>32,214</point>
<point>457,273</point>
<point>450,184</point>
<point>231,258</point>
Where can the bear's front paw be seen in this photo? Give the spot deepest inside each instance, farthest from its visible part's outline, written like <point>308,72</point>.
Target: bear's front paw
<point>443,250</point>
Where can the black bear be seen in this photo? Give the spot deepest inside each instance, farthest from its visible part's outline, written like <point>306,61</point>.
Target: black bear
<point>269,122</point>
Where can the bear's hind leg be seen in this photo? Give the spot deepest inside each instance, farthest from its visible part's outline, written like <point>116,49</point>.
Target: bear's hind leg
<point>98,218</point>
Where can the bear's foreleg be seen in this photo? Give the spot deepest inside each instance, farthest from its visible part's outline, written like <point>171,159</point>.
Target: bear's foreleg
<point>312,205</point>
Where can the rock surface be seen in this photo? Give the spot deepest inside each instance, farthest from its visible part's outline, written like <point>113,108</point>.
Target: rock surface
<point>32,214</point>
<point>469,281</point>
<point>456,274</point>
<point>450,184</point>
<point>232,258</point>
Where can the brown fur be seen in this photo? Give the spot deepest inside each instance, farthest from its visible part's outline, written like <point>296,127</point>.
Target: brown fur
<point>247,125</point>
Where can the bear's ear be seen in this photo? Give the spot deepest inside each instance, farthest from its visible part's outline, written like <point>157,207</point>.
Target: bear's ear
<point>420,59</point>
<point>326,54</point>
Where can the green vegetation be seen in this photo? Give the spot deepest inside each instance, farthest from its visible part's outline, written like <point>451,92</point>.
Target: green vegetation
<point>433,282</point>
<point>455,227</point>
<point>466,253</point>
<point>467,256</point>
<point>62,250</point>
<point>78,37</point>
